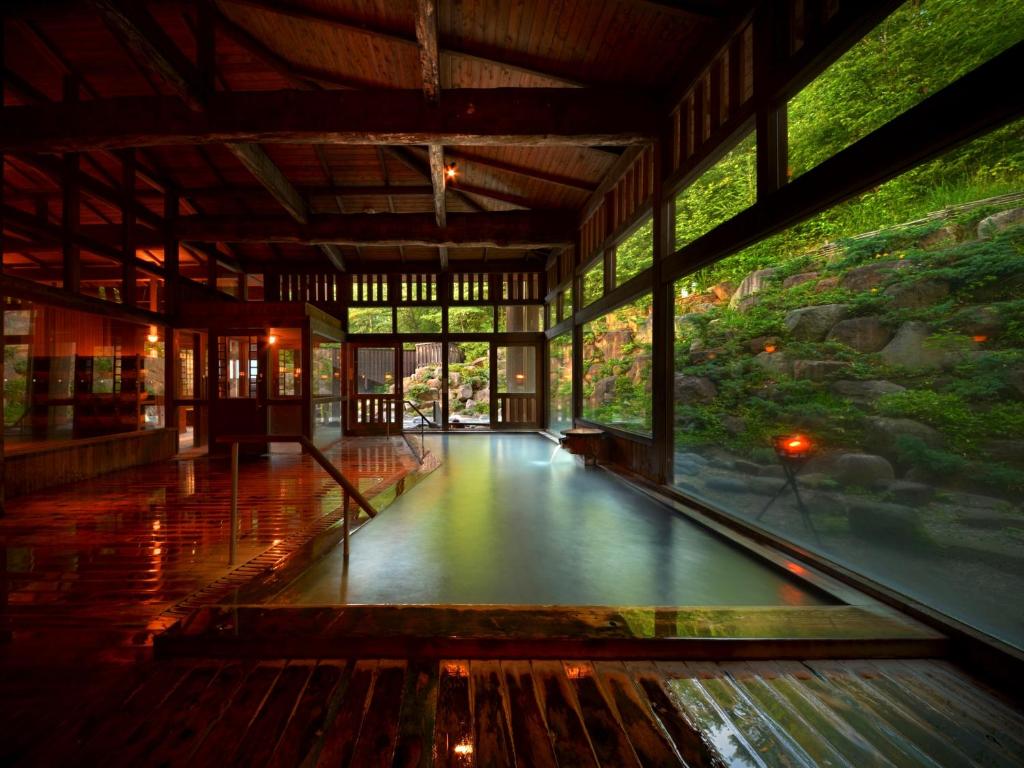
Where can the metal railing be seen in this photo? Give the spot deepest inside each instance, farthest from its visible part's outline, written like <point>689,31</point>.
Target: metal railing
<point>349,491</point>
<point>424,421</point>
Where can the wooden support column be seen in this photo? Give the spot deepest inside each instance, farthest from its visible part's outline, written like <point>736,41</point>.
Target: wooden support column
<point>171,254</point>
<point>3,306</point>
<point>128,271</point>
<point>71,205</point>
<point>772,133</point>
<point>662,358</point>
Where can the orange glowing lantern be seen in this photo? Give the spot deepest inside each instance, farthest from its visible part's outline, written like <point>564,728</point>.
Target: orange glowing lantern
<point>979,338</point>
<point>769,348</point>
<point>792,446</point>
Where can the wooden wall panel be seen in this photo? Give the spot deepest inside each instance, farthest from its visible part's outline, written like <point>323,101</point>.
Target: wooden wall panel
<point>74,460</point>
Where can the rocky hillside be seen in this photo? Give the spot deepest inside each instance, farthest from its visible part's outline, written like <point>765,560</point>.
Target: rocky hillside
<point>901,354</point>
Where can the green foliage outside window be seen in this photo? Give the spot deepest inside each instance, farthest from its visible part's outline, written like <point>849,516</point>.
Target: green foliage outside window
<point>617,367</point>
<point>636,253</point>
<point>593,282</point>
<point>369,320</point>
<point>721,192</point>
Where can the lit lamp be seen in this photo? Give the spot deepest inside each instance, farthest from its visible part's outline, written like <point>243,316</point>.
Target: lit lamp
<point>520,377</point>
<point>152,337</point>
<point>979,338</point>
<point>793,451</point>
<point>450,171</point>
<point>769,348</point>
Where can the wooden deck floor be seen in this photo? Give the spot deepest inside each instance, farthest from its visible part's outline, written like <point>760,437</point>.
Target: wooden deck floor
<point>388,712</point>
<point>105,559</point>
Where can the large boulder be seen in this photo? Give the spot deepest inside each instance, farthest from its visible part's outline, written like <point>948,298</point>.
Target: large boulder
<point>865,391</point>
<point>814,323</point>
<point>818,370</point>
<point>694,389</point>
<point>910,348</point>
<point>943,237</point>
<point>910,493</point>
<point>918,294</point>
<point>794,280</point>
<point>604,390</point>
<point>864,334</point>
<point>753,283</point>
<point>827,284</point>
<point>979,320</point>
<point>761,343</point>
<point>880,523</point>
<point>723,291</point>
<point>612,342</point>
<point>465,392</point>
<point>882,434</point>
<point>775,363</point>
<point>997,222</point>
<point>870,275</point>
<point>863,470</point>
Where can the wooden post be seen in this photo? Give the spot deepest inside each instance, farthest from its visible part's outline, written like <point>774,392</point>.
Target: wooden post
<point>233,547</point>
<point>171,253</point>
<point>662,328</point>
<point>772,155</point>
<point>71,205</point>
<point>128,272</point>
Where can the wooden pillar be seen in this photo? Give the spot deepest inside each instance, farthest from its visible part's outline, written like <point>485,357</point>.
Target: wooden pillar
<point>71,206</point>
<point>772,133</point>
<point>577,334</point>
<point>128,272</point>
<point>3,307</point>
<point>662,359</point>
<point>171,253</point>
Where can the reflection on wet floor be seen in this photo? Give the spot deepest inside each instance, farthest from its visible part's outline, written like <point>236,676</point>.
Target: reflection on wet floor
<point>106,556</point>
<point>507,521</point>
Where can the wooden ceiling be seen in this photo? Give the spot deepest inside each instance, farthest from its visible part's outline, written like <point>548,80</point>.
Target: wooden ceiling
<point>199,106</point>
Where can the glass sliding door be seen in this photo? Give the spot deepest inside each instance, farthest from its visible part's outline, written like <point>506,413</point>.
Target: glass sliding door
<point>469,385</point>
<point>373,407</point>
<point>516,401</point>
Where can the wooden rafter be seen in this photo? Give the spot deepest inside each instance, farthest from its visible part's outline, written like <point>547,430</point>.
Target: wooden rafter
<point>412,160</point>
<point>446,47</point>
<point>498,117</point>
<point>134,27</point>
<point>520,170</point>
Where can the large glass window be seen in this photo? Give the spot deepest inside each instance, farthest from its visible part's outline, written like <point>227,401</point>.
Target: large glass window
<point>617,367</point>
<point>327,389</point>
<point>419,319</point>
<point>71,374</point>
<point>520,319</point>
<point>469,384</point>
<point>560,383</point>
<point>286,362</point>
<point>239,367</point>
<point>721,192</point>
<point>470,319</point>
<point>593,282</point>
<point>919,49</point>
<point>892,342</point>
<point>636,253</point>
<point>370,320</point>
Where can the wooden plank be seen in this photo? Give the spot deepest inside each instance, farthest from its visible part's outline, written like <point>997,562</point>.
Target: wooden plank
<point>379,732</point>
<point>269,724</point>
<point>343,727</point>
<point>529,731</point>
<point>692,744</point>
<point>648,738</point>
<point>497,117</point>
<point>414,747</point>
<point>609,740</point>
<point>506,229</point>
<point>223,739</point>
<point>183,737</point>
<point>491,733</point>
<point>453,728</point>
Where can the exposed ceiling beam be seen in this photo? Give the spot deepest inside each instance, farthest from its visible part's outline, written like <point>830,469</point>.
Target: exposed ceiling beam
<point>411,160</point>
<point>437,181</point>
<point>265,171</point>
<point>140,33</point>
<point>521,170</point>
<point>426,39</point>
<point>456,48</point>
<point>507,229</point>
<point>709,9</point>
<point>502,116</point>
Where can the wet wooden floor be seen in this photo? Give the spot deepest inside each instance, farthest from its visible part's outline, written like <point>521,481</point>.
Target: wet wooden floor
<point>387,712</point>
<point>104,559</point>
